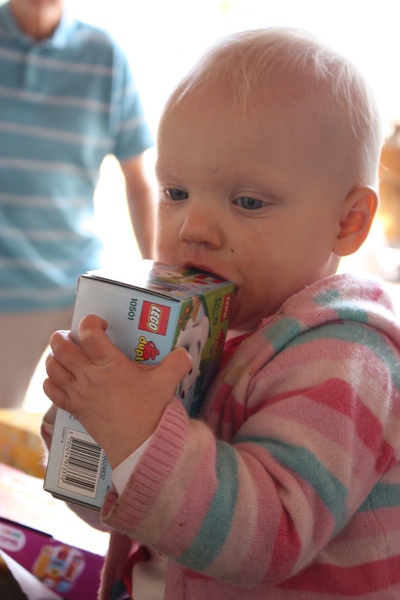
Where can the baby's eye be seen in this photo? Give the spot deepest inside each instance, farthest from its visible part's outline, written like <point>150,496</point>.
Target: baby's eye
<point>177,194</point>
<point>249,203</point>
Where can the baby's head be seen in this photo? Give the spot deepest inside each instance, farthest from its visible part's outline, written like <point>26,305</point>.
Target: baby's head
<point>293,67</point>
<point>270,145</point>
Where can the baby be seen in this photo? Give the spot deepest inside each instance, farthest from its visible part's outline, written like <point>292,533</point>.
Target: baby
<point>288,484</point>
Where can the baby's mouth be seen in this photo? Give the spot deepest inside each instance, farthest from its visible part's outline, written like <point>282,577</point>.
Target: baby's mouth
<point>202,267</point>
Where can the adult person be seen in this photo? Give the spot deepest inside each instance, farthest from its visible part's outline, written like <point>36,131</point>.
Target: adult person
<point>67,99</point>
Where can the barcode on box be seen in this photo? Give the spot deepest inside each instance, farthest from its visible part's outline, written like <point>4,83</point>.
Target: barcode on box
<point>81,464</point>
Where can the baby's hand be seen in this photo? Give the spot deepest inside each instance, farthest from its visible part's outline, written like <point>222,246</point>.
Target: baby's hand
<point>117,401</point>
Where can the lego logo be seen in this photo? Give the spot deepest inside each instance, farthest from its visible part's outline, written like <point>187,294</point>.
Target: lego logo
<point>155,315</point>
<point>154,318</point>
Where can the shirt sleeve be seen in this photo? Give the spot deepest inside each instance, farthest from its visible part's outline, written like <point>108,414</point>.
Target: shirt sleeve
<point>121,474</point>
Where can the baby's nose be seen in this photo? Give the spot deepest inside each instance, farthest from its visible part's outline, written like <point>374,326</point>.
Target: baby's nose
<point>203,228</point>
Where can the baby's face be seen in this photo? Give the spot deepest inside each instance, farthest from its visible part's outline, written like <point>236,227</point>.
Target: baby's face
<point>249,199</point>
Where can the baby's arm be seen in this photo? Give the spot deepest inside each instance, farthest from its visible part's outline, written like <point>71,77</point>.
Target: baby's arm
<point>117,401</point>
<point>280,489</point>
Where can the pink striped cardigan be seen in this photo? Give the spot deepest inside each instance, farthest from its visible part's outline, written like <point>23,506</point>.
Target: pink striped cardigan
<point>288,486</point>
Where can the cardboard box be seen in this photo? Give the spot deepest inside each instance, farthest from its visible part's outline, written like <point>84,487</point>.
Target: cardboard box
<point>47,539</point>
<point>148,313</point>
<point>20,443</point>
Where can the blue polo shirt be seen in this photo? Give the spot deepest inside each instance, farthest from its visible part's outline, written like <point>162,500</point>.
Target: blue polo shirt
<point>65,103</point>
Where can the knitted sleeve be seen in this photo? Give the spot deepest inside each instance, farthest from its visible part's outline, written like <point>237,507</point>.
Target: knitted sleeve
<point>292,450</point>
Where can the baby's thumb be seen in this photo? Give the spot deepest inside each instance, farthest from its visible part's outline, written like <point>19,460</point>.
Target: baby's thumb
<point>95,342</point>
<point>175,366</point>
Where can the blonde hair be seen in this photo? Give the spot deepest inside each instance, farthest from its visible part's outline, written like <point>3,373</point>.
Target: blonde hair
<point>285,60</point>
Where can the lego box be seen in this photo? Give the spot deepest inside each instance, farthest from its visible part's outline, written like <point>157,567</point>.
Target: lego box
<point>47,540</point>
<point>148,313</point>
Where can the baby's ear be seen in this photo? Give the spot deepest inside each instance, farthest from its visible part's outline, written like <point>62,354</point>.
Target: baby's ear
<point>357,214</point>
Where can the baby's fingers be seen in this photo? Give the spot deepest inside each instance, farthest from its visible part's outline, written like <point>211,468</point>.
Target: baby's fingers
<point>55,393</point>
<point>59,375</point>
<point>58,381</point>
<point>66,352</point>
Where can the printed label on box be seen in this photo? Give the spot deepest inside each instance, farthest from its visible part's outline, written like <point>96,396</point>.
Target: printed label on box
<point>154,318</point>
<point>81,464</point>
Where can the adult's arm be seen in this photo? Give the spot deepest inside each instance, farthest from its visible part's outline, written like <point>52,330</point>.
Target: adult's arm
<point>141,203</point>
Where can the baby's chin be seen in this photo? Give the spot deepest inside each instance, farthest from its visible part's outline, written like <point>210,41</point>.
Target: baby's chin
<point>239,324</point>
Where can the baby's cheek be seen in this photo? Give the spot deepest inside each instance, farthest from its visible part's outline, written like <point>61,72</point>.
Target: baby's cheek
<point>166,248</point>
